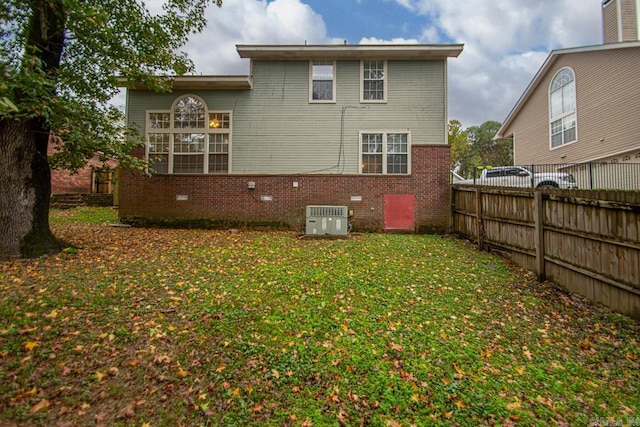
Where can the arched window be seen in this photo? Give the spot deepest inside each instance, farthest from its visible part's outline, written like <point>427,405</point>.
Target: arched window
<point>189,138</point>
<point>562,108</point>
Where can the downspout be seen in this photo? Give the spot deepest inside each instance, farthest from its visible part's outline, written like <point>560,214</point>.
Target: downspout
<point>446,101</point>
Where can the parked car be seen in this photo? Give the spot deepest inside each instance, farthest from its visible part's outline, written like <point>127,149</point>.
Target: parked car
<point>518,176</point>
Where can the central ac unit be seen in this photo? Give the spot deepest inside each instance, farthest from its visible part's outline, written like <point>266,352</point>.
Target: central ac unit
<point>327,220</point>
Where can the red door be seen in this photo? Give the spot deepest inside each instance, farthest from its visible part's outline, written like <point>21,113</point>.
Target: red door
<point>399,212</point>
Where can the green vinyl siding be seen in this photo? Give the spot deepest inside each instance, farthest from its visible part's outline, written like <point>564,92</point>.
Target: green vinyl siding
<point>276,130</point>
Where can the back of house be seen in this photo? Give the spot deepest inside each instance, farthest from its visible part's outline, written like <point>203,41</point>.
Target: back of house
<point>348,125</point>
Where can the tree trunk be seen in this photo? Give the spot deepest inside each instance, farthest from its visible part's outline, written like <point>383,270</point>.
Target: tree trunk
<point>25,176</point>
<point>25,184</point>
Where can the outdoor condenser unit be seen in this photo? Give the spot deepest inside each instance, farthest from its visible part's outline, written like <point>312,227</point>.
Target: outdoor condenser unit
<point>327,220</point>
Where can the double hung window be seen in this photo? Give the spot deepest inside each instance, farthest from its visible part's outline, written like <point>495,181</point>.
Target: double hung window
<point>373,87</point>
<point>189,139</point>
<point>322,87</point>
<point>384,152</point>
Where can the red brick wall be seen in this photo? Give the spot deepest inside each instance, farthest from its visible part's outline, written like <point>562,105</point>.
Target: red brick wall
<point>64,182</point>
<point>227,198</point>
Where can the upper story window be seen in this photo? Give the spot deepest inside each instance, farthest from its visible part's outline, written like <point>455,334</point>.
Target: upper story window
<point>384,152</point>
<point>189,138</point>
<point>322,86</point>
<point>373,85</point>
<point>562,108</point>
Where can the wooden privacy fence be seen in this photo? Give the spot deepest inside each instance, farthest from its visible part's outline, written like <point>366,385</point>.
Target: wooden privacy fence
<point>586,241</point>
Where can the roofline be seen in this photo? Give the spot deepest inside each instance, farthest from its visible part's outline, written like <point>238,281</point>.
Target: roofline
<point>551,59</point>
<point>199,82</point>
<point>345,51</point>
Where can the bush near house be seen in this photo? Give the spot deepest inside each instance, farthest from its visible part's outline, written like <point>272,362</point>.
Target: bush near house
<point>187,327</point>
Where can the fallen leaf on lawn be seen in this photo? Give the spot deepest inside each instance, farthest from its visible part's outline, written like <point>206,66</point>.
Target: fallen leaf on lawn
<point>182,373</point>
<point>126,412</point>
<point>544,401</point>
<point>162,359</point>
<point>516,404</point>
<point>275,373</point>
<point>235,392</point>
<point>30,345</point>
<point>27,330</point>
<point>220,368</point>
<point>342,417</point>
<point>100,375</point>
<point>556,365</point>
<point>44,403</point>
<point>397,347</point>
<point>99,418</point>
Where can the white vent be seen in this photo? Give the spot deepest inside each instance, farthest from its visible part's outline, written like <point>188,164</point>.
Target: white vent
<point>327,220</point>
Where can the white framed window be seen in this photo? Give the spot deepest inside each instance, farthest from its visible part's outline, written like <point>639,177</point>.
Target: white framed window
<point>373,81</point>
<point>188,139</point>
<point>322,81</point>
<point>562,109</point>
<point>385,152</point>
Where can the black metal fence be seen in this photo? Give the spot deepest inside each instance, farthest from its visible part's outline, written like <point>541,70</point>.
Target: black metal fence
<point>590,176</point>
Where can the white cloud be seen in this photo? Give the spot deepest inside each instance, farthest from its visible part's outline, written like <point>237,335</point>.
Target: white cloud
<point>252,22</point>
<point>505,44</point>
<point>373,40</point>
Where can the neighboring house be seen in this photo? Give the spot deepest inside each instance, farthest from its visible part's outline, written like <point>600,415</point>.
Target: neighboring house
<point>347,125</point>
<point>94,178</point>
<point>583,107</point>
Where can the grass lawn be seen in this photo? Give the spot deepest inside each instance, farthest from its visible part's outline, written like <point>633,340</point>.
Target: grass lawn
<point>159,327</point>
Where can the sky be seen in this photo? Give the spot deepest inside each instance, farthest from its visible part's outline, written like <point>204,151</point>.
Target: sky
<point>505,42</point>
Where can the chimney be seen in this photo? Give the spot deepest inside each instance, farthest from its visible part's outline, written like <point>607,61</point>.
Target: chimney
<point>620,21</point>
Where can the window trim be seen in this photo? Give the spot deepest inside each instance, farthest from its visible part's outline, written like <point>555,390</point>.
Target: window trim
<point>172,131</point>
<point>335,83</point>
<point>385,82</point>
<point>384,151</point>
<point>562,116</point>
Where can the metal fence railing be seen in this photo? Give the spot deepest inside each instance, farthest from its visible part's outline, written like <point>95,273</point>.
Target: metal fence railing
<point>589,176</point>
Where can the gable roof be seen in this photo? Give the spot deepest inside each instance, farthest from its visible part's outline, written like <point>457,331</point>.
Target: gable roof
<point>542,72</point>
<point>387,51</point>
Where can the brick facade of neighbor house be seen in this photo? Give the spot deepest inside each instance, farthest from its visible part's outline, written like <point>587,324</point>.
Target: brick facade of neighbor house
<point>82,182</point>
<point>62,182</point>
<point>227,201</point>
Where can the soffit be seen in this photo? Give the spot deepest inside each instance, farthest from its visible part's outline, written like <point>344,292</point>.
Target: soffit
<point>353,52</point>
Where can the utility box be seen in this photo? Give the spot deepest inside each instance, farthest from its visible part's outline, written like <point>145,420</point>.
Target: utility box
<point>327,220</point>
